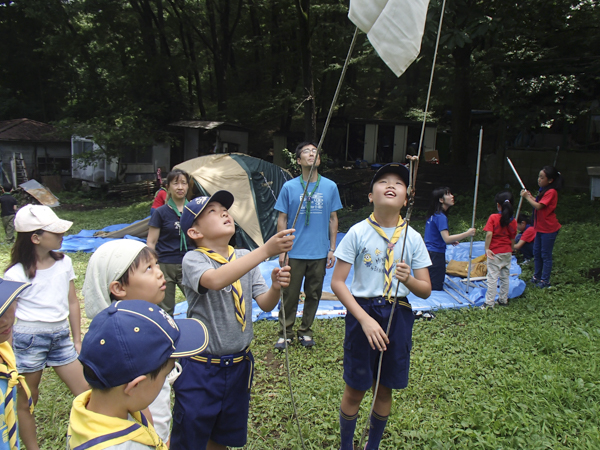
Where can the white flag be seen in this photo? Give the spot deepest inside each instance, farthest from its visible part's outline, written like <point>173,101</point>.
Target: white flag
<point>394,28</point>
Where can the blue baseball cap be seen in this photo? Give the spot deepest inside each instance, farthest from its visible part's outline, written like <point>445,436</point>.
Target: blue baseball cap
<point>134,337</point>
<point>194,207</point>
<point>9,291</point>
<point>393,167</point>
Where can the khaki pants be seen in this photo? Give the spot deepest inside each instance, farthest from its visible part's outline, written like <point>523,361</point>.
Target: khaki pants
<point>9,228</point>
<point>498,268</point>
<point>173,277</point>
<point>312,271</point>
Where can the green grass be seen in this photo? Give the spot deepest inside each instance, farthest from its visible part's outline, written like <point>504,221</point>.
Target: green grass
<point>525,376</point>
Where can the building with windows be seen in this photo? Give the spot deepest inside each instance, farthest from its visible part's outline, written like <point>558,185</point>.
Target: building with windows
<point>43,152</point>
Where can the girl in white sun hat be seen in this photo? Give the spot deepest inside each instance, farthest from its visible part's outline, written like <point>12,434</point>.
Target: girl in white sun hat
<point>45,310</point>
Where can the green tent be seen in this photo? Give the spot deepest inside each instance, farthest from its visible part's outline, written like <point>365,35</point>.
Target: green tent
<point>255,185</point>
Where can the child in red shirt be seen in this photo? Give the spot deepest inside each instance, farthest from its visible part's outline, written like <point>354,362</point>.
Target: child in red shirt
<point>525,238</point>
<point>499,242</point>
<point>545,223</point>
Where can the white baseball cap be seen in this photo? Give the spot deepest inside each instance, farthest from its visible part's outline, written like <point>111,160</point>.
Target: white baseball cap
<point>39,217</point>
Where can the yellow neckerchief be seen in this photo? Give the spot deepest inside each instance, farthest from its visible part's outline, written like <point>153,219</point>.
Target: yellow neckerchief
<point>92,431</point>
<point>8,370</point>
<point>389,256</point>
<point>236,286</point>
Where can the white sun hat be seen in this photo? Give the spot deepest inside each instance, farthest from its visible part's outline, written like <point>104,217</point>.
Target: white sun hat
<point>39,217</point>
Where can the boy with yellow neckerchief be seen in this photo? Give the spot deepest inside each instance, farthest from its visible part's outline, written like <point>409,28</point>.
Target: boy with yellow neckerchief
<point>129,350</point>
<point>10,380</point>
<point>374,246</point>
<point>212,393</point>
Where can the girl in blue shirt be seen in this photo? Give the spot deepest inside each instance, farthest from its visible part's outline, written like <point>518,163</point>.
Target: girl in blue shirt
<point>437,235</point>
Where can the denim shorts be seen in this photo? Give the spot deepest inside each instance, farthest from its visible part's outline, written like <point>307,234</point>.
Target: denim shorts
<point>38,345</point>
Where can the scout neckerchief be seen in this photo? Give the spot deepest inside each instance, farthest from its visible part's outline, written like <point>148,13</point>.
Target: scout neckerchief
<point>309,198</point>
<point>8,370</point>
<point>92,431</point>
<point>173,206</point>
<point>389,256</point>
<point>236,286</point>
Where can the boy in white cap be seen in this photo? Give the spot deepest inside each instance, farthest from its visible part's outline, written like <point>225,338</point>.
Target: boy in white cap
<point>126,269</point>
<point>127,354</point>
<point>10,380</point>
<point>212,394</point>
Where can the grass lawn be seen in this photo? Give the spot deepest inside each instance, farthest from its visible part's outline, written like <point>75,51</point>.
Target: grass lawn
<point>525,376</point>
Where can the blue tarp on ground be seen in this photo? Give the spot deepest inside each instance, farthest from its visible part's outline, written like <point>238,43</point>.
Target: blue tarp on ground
<point>438,299</point>
<point>457,297</point>
<point>84,241</point>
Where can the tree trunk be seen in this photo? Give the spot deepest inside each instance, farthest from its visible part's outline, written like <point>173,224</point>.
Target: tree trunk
<point>461,109</point>
<point>308,89</point>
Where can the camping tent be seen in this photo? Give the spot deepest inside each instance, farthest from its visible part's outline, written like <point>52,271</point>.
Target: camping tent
<point>254,183</point>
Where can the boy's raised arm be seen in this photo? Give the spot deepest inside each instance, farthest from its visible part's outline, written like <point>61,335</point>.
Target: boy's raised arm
<point>375,334</point>
<point>217,279</point>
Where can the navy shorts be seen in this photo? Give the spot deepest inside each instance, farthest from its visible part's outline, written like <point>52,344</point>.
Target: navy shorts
<point>361,361</point>
<point>437,270</point>
<point>212,400</point>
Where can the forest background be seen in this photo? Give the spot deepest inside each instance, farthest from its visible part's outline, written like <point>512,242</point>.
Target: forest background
<point>126,69</point>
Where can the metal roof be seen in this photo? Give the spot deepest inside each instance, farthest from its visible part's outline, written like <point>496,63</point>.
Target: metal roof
<point>29,131</point>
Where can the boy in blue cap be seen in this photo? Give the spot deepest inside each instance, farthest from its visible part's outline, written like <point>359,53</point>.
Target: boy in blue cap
<point>126,269</point>
<point>9,378</point>
<point>374,246</point>
<point>212,393</point>
<point>127,353</point>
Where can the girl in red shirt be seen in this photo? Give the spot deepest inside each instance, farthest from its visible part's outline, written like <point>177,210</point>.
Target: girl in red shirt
<point>545,223</point>
<point>499,242</point>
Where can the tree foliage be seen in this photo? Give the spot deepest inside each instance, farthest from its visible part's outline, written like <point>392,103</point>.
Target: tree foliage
<point>273,65</point>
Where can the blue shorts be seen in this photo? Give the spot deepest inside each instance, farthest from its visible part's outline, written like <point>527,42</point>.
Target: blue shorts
<point>361,361</point>
<point>212,400</point>
<point>39,344</point>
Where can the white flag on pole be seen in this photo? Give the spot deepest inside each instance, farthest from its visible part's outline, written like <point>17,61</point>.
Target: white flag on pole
<point>394,28</point>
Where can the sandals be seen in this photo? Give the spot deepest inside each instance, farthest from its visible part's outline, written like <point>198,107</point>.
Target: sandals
<point>306,341</point>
